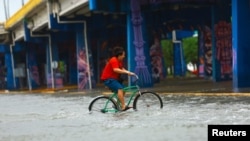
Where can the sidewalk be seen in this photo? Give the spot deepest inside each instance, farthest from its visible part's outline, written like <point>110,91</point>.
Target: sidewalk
<point>198,86</point>
<point>190,86</point>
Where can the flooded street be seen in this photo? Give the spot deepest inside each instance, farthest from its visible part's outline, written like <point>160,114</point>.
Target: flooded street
<point>36,117</point>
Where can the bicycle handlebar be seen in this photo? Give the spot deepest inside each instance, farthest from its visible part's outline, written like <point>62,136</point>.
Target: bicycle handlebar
<point>136,76</point>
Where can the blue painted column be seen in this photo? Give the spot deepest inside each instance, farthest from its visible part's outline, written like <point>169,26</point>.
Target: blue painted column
<point>180,67</point>
<point>8,63</point>
<point>31,57</point>
<point>241,42</point>
<point>136,45</point>
<point>48,66</point>
<point>179,61</point>
<point>16,49</point>
<point>13,81</point>
<point>92,4</point>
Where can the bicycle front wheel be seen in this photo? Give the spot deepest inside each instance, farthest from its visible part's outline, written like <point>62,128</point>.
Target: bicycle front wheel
<point>147,101</point>
<point>103,104</point>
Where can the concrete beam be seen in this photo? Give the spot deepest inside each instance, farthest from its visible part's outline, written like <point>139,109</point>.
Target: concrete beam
<point>66,7</point>
<point>20,14</point>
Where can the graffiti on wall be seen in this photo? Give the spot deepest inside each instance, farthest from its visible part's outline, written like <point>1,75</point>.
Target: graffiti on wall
<point>207,48</point>
<point>83,69</point>
<point>223,39</point>
<point>201,62</point>
<point>158,54</point>
<point>156,60</point>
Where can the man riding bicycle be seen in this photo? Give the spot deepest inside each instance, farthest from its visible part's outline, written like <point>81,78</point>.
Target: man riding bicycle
<point>111,74</point>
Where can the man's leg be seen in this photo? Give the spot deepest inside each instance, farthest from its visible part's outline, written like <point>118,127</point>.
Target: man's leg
<point>120,94</point>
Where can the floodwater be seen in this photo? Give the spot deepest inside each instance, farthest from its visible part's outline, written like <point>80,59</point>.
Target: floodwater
<point>44,117</point>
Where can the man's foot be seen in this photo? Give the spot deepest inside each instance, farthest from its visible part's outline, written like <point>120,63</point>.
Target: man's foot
<point>126,108</point>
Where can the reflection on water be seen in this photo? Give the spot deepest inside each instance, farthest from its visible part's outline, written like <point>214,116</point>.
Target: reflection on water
<point>64,118</point>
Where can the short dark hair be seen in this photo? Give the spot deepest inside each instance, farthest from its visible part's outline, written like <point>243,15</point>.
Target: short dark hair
<point>118,51</point>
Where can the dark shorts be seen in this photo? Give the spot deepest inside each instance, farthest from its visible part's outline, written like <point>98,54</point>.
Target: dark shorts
<point>113,84</point>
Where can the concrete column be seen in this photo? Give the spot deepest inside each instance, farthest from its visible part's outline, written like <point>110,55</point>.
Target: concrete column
<point>83,66</point>
<point>136,45</point>
<point>10,77</point>
<point>179,61</point>
<point>241,43</point>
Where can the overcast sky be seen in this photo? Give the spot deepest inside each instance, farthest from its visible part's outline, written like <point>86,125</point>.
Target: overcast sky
<point>14,6</point>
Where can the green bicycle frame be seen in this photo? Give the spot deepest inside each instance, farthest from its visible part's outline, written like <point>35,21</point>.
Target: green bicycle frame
<point>130,89</point>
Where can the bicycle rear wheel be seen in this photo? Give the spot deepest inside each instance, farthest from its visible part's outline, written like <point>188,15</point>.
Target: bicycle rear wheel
<point>147,101</point>
<point>103,104</point>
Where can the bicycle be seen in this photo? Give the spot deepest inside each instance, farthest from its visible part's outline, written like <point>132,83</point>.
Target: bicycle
<point>145,100</point>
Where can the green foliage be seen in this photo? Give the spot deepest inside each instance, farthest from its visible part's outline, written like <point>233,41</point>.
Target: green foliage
<point>167,51</point>
<point>61,67</point>
<point>190,47</point>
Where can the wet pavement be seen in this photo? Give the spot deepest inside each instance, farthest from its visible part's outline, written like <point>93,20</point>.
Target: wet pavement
<point>34,117</point>
<point>49,115</point>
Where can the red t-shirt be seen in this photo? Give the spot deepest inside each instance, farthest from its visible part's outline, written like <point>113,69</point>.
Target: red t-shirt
<point>108,71</point>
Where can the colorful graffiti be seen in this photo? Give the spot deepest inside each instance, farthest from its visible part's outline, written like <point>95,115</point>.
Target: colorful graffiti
<point>156,60</point>
<point>207,47</point>
<point>223,37</point>
<point>83,69</point>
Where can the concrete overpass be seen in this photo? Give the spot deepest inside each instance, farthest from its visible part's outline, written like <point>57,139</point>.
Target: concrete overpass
<point>48,24</point>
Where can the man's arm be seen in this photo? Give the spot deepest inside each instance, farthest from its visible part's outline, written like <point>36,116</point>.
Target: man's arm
<point>123,71</point>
